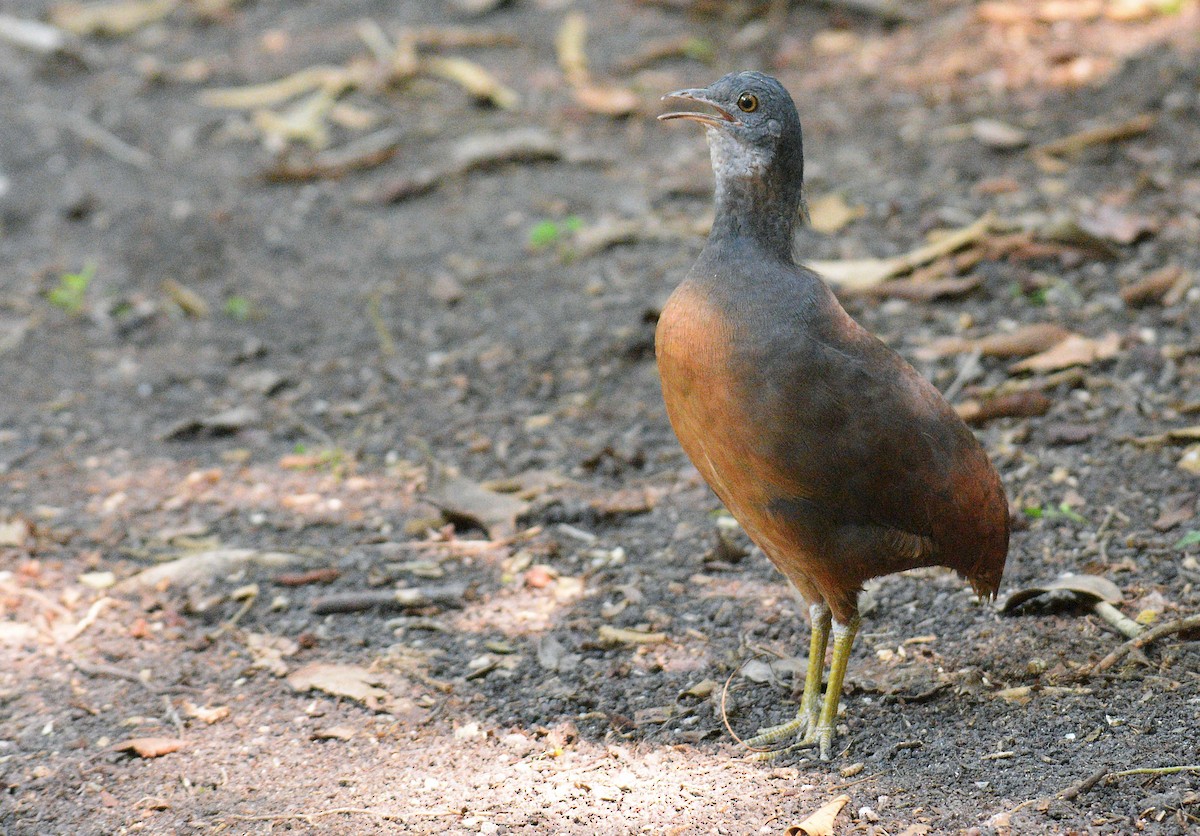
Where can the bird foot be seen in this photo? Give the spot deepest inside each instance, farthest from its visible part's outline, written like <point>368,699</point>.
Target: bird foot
<point>802,728</point>
<point>806,731</point>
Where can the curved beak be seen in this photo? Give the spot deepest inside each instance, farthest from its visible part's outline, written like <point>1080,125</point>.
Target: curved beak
<point>719,119</point>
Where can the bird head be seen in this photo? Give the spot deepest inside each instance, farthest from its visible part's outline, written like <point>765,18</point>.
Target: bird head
<point>752,125</point>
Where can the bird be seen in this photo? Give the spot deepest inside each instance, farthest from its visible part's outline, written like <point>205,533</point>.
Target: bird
<point>838,459</point>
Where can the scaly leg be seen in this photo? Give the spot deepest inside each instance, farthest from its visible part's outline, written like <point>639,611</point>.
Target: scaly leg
<point>805,722</point>
<point>843,640</point>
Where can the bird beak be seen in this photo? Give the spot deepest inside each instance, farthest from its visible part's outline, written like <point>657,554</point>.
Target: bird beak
<point>721,118</point>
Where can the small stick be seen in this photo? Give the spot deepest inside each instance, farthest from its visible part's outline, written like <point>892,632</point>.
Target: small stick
<point>1083,786</point>
<point>1181,625</point>
<point>389,599</point>
<point>1076,142</point>
<point>1157,770</point>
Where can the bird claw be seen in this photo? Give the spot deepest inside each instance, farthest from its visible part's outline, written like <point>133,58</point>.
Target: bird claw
<point>802,727</point>
<point>807,731</point>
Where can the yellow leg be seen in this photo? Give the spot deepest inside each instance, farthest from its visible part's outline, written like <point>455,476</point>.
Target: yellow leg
<point>805,722</point>
<point>843,640</point>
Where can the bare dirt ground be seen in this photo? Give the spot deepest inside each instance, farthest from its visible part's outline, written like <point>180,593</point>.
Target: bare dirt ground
<point>406,363</point>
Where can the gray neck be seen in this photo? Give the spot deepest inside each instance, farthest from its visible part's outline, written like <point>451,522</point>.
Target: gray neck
<point>757,196</point>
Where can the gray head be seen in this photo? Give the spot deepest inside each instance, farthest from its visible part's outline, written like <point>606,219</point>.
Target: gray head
<point>757,154</point>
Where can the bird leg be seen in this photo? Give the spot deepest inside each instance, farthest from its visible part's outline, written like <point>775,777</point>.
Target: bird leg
<point>805,722</point>
<point>843,640</point>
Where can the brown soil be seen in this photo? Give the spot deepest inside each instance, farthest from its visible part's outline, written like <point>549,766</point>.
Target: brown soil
<point>372,351</point>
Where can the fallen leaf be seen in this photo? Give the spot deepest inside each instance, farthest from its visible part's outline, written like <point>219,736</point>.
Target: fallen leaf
<point>927,290</point>
<point>1086,586</point>
<point>205,714</point>
<point>1158,286</point>
<point>702,689</point>
<point>334,733</point>
<point>1119,227</point>
<point>268,651</point>
<point>996,134</point>
<point>628,501</point>
<point>1022,342</point>
<point>820,823</point>
<point>857,275</point>
<point>15,533</point>
<point>202,567</point>
<point>1026,404</point>
<point>1076,142</point>
<point>1179,509</point>
<point>1065,432</point>
<point>607,99</point>
<point>462,500</point>
<point>474,79</point>
<point>351,681</point>
<point>113,19</point>
<point>569,46</point>
<point>830,213</point>
<point>150,747</point>
<point>1190,460</point>
<point>326,574</point>
<point>613,636</point>
<point>1075,350</point>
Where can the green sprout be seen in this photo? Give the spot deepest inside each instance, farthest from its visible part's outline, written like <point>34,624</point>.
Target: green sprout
<point>1062,512</point>
<point>545,233</point>
<point>71,291</point>
<point>1189,539</point>
<point>237,307</point>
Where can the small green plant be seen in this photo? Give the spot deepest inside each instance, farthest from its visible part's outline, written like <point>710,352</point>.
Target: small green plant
<point>1062,512</point>
<point>1189,539</point>
<point>237,307</point>
<point>71,291</point>
<point>545,233</point>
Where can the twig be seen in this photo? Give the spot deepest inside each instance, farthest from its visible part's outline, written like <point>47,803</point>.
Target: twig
<point>1157,770</point>
<point>237,616</point>
<point>92,669</point>
<point>1181,625</point>
<point>389,599</point>
<point>1076,142</point>
<point>1083,786</point>
<point>105,140</point>
<point>309,817</point>
<point>89,619</point>
<point>968,370</point>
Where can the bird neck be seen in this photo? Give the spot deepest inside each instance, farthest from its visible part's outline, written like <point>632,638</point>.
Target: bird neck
<point>751,208</point>
<point>758,194</point>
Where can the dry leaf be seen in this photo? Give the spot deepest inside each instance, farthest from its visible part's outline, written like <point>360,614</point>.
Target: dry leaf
<point>1075,350</point>
<point>150,747</point>
<point>204,566</point>
<point>569,45</point>
<point>830,213</point>
<point>927,290</point>
<point>463,500</point>
<point>612,636</point>
<point>996,134</point>
<point>352,681</point>
<point>15,533</point>
<point>1155,286</point>
<point>1030,339</point>
<point>820,823</point>
<point>1190,460</point>
<point>1076,142</point>
<point>205,714</point>
<point>1119,227</point>
<point>1091,587</point>
<point>115,19</point>
<point>268,651</point>
<point>865,273</point>
<point>1026,404</point>
<point>331,79</point>
<point>474,79</point>
<point>607,100</point>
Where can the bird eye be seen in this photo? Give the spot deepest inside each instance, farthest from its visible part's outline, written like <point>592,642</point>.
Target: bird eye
<point>748,102</point>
